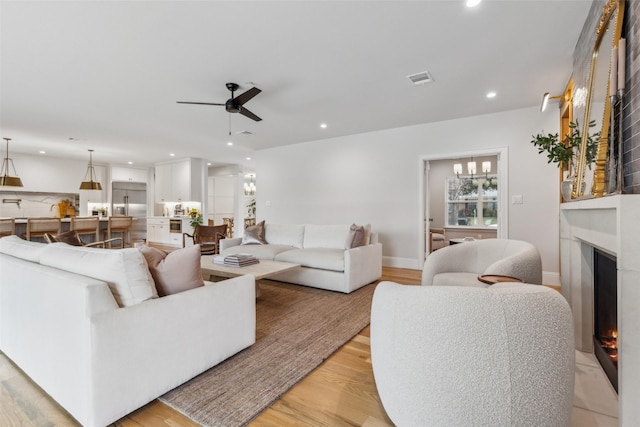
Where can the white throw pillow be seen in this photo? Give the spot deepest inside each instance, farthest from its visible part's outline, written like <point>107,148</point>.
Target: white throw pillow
<point>124,270</point>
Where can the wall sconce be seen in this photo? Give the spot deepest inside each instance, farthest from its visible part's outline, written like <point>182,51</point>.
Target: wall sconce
<point>457,169</point>
<point>545,100</point>
<point>486,168</point>
<point>471,167</point>
<point>93,183</point>
<point>250,187</point>
<point>7,180</point>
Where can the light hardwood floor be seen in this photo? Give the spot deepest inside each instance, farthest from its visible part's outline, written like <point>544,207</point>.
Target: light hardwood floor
<point>340,392</point>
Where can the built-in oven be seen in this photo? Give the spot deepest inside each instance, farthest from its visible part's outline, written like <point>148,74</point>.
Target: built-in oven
<point>175,226</point>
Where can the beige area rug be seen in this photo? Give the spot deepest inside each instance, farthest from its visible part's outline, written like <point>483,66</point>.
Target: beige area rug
<point>297,329</point>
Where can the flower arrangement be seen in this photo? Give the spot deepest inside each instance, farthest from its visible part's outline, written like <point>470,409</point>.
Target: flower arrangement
<point>196,217</point>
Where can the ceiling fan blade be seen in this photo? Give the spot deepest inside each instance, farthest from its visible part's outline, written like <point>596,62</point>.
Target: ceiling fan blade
<point>246,96</point>
<point>249,114</point>
<point>197,103</point>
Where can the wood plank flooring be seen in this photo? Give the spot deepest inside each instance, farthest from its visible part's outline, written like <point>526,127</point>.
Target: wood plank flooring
<point>340,392</point>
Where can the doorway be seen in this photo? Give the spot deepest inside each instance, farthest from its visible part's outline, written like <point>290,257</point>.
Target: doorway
<point>458,218</point>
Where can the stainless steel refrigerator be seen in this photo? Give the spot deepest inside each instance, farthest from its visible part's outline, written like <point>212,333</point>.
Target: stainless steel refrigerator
<point>130,199</point>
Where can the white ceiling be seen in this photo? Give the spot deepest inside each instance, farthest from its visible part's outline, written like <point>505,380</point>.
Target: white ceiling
<point>109,73</point>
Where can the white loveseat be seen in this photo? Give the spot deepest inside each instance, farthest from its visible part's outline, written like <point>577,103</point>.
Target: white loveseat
<point>100,361</point>
<point>321,250</point>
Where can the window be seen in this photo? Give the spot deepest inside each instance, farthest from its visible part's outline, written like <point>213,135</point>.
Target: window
<point>472,202</point>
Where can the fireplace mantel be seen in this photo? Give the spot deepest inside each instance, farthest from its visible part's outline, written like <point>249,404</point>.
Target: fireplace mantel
<point>611,224</point>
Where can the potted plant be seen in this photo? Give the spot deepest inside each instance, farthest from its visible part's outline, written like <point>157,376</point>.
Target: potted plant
<point>563,152</point>
<point>251,208</point>
<point>196,217</point>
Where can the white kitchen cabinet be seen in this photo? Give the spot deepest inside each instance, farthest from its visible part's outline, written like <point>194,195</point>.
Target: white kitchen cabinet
<point>158,230</point>
<point>181,181</point>
<point>119,173</point>
<point>163,183</point>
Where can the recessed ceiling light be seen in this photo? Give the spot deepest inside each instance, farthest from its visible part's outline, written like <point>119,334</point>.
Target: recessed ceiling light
<point>130,163</point>
<point>472,3</point>
<point>229,143</point>
<point>248,158</point>
<point>323,125</point>
<point>171,154</point>
<point>43,152</point>
<point>491,95</point>
<point>208,163</point>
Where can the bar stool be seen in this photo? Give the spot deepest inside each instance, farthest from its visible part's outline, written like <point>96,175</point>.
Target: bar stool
<point>119,225</point>
<point>86,226</point>
<point>7,227</point>
<point>37,227</point>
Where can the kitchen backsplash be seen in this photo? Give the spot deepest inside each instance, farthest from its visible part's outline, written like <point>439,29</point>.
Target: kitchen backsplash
<point>20,205</point>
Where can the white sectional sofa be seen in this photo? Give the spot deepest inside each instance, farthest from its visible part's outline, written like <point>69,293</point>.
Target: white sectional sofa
<point>322,251</point>
<point>62,321</point>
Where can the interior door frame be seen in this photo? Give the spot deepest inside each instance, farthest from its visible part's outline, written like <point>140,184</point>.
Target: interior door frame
<point>502,155</point>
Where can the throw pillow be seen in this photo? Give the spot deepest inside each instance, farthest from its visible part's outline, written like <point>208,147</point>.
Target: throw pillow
<point>175,272</point>
<point>69,237</point>
<point>254,235</point>
<point>356,236</point>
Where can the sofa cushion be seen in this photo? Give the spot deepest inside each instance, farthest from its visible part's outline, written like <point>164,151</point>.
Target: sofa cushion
<point>254,235</point>
<point>284,234</point>
<point>325,236</point>
<point>124,270</point>
<point>321,258</point>
<point>175,272</point>
<point>258,251</point>
<point>23,249</point>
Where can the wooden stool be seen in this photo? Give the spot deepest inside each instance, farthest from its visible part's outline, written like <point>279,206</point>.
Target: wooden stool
<point>119,225</point>
<point>7,227</point>
<point>86,226</point>
<point>37,227</point>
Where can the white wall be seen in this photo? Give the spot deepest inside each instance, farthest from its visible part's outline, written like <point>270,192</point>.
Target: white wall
<point>374,178</point>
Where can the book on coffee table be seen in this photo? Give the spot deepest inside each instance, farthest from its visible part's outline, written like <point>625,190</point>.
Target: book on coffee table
<point>236,260</point>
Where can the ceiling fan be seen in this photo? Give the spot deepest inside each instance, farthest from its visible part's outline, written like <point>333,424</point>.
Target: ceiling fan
<point>235,104</point>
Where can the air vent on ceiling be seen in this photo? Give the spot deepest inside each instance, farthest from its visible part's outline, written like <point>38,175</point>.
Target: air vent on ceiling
<point>421,78</point>
<point>244,132</point>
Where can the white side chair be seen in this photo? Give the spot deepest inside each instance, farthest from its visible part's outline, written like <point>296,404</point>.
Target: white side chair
<point>463,356</point>
<point>461,264</point>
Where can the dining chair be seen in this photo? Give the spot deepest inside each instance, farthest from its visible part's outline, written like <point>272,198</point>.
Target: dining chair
<point>37,227</point>
<point>7,227</point>
<point>229,223</point>
<point>72,238</point>
<point>86,226</point>
<point>208,237</point>
<point>119,225</point>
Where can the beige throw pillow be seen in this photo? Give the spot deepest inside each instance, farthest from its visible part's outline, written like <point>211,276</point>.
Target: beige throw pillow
<point>254,235</point>
<point>356,236</point>
<point>175,272</point>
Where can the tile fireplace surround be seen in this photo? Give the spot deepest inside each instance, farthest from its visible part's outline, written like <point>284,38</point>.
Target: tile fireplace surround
<point>612,224</point>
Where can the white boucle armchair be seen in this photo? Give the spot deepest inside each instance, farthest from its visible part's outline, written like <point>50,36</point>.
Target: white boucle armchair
<point>461,264</point>
<point>464,356</point>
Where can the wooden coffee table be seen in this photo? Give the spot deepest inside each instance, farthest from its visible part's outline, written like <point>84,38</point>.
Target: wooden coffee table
<point>492,279</point>
<point>262,270</point>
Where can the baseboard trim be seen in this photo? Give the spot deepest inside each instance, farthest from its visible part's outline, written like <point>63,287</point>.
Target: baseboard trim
<point>396,262</point>
<point>551,278</point>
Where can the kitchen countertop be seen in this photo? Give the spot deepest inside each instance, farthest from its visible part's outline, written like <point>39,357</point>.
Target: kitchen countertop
<point>24,220</point>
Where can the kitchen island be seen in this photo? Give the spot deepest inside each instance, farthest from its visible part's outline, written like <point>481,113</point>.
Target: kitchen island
<point>21,225</point>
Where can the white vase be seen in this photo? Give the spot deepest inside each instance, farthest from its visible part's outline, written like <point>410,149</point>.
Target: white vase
<point>565,188</point>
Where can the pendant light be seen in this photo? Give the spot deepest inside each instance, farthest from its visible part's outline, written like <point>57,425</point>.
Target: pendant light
<point>92,184</point>
<point>7,180</point>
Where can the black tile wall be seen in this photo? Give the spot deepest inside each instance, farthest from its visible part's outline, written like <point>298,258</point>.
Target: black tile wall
<point>631,110</point>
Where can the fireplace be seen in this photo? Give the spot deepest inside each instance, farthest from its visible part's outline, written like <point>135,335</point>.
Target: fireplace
<point>611,225</point>
<point>605,313</point>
